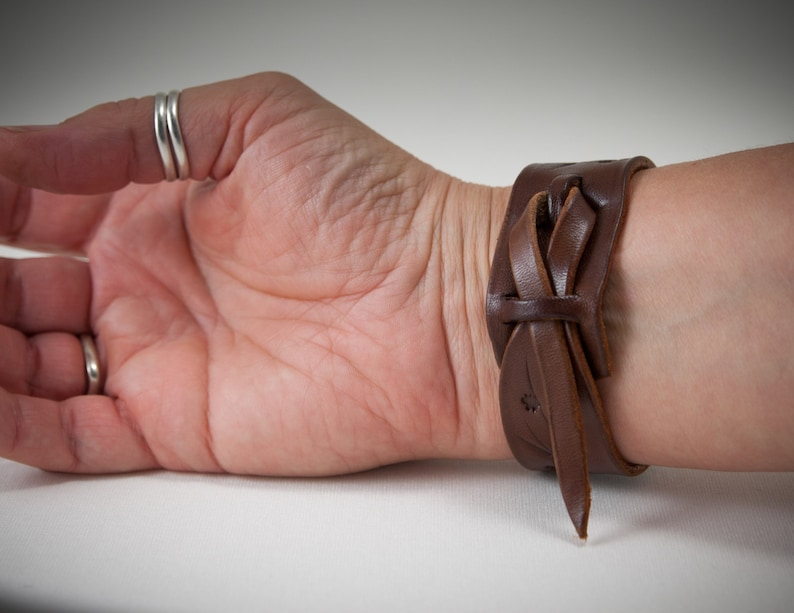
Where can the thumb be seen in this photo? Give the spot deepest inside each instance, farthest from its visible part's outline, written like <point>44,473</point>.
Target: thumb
<point>113,144</point>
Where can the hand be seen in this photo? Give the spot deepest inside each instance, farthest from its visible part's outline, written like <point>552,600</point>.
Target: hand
<point>298,308</point>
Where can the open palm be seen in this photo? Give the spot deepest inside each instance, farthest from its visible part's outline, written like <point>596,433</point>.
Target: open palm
<point>280,314</point>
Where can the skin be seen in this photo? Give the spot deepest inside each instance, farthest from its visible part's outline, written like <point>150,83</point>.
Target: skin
<point>311,303</point>
<point>700,311</point>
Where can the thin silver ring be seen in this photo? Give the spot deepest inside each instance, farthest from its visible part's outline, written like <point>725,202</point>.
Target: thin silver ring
<point>93,374</point>
<point>161,134</point>
<point>177,144</point>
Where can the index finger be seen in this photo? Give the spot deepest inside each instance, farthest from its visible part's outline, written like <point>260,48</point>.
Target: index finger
<point>113,144</point>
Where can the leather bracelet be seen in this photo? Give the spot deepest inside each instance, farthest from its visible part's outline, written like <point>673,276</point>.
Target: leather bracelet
<point>544,316</point>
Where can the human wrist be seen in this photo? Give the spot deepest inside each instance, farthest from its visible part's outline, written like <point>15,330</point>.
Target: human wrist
<point>471,216</point>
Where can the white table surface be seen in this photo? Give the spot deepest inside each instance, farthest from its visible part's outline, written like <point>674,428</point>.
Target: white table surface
<point>479,90</point>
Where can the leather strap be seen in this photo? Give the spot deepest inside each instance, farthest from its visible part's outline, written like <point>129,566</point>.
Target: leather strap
<point>544,314</point>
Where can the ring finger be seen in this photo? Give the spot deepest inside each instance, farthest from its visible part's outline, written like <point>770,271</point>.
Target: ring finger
<point>49,365</point>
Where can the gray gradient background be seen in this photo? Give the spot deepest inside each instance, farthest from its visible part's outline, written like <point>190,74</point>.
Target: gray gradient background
<point>478,90</point>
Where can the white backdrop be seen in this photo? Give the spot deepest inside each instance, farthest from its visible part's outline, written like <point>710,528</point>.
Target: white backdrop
<point>478,90</point>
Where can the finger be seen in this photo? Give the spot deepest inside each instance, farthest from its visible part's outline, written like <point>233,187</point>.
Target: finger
<point>45,294</point>
<point>108,146</point>
<point>48,365</point>
<point>86,434</point>
<point>37,219</point>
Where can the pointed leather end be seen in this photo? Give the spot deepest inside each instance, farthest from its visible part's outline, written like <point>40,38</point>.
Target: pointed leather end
<point>581,526</point>
<point>578,506</point>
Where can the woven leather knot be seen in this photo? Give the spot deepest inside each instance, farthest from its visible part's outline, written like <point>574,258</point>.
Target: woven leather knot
<point>545,250</point>
<point>544,318</point>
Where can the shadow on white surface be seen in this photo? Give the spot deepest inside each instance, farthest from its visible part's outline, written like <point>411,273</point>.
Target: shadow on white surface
<point>425,536</point>
<point>750,512</point>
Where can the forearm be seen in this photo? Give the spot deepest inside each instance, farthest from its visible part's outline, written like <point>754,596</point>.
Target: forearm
<point>697,310</point>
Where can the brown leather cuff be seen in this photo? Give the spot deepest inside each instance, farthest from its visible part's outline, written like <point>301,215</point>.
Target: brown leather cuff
<point>544,315</point>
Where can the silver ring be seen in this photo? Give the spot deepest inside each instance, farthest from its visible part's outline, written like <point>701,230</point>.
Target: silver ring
<point>177,144</point>
<point>93,374</point>
<point>161,134</point>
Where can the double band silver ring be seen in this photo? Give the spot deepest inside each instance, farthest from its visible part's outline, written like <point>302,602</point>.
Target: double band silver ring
<point>93,374</point>
<point>169,136</point>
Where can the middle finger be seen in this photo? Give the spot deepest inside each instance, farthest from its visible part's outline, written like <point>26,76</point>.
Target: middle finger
<point>45,294</point>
